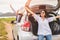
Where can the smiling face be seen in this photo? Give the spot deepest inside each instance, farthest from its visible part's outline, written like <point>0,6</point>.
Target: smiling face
<point>42,13</point>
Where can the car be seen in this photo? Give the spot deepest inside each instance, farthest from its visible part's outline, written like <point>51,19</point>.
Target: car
<point>20,34</point>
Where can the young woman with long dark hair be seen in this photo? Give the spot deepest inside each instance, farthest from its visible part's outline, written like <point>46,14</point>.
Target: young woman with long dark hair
<point>43,24</point>
<point>18,14</point>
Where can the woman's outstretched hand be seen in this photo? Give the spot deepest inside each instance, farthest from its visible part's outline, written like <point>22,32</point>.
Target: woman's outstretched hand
<point>12,8</point>
<point>28,3</point>
<point>57,16</point>
<point>16,12</point>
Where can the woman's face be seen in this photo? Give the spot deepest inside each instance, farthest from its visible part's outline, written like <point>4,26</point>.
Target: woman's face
<point>42,14</point>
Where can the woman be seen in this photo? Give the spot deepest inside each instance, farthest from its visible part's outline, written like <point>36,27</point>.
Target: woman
<point>22,21</point>
<point>43,24</point>
<point>18,14</point>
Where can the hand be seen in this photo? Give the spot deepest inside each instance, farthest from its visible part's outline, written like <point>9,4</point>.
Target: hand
<point>57,16</point>
<point>12,8</point>
<point>10,5</point>
<point>28,3</point>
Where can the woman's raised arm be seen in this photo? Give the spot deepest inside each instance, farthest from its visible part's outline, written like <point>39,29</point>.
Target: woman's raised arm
<point>27,7</point>
<point>29,10</point>
<point>28,3</point>
<point>13,9</point>
<point>57,16</point>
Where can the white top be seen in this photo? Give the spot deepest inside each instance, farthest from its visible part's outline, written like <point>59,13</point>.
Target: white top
<point>43,25</point>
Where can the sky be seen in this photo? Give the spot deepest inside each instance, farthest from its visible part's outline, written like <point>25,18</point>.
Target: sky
<point>17,4</point>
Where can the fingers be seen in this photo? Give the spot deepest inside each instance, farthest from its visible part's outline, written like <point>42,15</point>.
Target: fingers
<point>28,3</point>
<point>10,6</point>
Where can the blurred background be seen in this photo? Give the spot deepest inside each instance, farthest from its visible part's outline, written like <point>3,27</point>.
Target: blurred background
<point>7,15</point>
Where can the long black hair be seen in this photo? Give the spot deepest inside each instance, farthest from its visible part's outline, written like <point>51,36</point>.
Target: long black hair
<point>46,14</point>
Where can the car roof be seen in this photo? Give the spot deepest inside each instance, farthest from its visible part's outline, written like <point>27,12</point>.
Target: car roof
<point>39,2</point>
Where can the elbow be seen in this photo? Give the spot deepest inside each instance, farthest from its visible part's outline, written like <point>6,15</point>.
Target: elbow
<point>26,5</point>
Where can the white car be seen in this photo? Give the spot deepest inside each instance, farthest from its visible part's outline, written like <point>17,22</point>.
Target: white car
<point>51,6</point>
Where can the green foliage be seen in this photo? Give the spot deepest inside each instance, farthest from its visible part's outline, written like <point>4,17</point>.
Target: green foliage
<point>2,27</point>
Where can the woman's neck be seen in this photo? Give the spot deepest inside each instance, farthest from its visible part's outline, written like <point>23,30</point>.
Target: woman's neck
<point>43,18</point>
